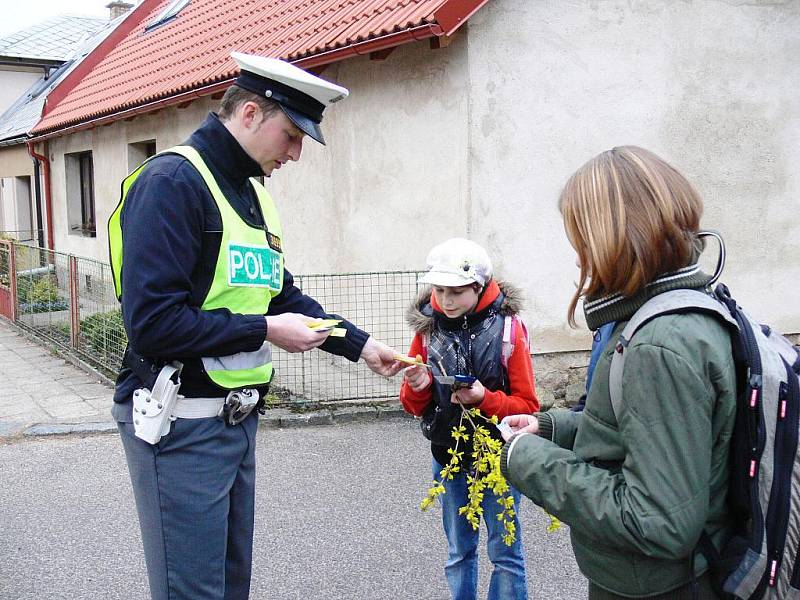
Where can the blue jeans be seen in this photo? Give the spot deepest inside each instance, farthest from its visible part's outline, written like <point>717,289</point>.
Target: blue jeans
<point>508,577</point>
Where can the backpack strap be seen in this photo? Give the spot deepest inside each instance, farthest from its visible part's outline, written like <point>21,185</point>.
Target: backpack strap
<point>510,325</point>
<point>509,335</point>
<point>672,302</point>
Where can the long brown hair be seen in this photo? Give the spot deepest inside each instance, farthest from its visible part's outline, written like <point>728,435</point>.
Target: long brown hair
<point>630,217</point>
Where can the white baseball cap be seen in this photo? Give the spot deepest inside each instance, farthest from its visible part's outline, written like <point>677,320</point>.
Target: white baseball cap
<point>302,95</point>
<point>457,262</point>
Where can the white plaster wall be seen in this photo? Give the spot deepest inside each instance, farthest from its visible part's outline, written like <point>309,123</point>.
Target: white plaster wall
<point>15,161</point>
<point>14,81</point>
<point>109,146</point>
<point>392,180</point>
<point>711,86</point>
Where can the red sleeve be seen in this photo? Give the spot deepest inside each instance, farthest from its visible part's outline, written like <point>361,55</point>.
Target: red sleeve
<point>416,402</point>
<point>522,399</point>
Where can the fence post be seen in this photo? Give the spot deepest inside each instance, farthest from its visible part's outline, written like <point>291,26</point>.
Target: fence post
<point>12,279</point>
<point>74,311</point>
<point>299,284</point>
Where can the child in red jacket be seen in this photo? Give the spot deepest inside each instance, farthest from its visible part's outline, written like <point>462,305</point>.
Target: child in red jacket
<point>467,324</point>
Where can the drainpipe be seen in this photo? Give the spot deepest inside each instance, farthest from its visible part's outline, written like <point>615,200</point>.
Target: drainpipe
<point>47,191</point>
<point>37,192</point>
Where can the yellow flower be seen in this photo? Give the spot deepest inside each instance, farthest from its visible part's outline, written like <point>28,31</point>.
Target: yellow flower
<point>485,474</point>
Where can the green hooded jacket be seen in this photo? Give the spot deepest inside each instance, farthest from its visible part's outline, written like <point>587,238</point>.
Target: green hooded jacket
<point>637,489</point>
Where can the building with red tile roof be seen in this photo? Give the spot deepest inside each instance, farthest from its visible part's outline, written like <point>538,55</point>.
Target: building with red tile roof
<point>32,61</point>
<point>465,117</point>
<point>169,51</point>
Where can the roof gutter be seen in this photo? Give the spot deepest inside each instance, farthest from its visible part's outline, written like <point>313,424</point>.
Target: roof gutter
<point>391,40</point>
<point>47,193</point>
<point>13,141</point>
<point>137,110</point>
<point>36,63</point>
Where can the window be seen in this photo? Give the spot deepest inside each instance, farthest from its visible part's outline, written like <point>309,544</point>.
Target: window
<point>172,10</point>
<point>138,152</point>
<point>80,194</point>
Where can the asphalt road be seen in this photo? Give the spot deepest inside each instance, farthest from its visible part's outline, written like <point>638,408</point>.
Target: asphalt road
<point>337,519</point>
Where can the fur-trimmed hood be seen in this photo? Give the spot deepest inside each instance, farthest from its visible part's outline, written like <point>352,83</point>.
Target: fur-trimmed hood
<point>419,314</point>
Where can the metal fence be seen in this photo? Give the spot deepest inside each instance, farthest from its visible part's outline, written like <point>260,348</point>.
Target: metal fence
<point>69,301</point>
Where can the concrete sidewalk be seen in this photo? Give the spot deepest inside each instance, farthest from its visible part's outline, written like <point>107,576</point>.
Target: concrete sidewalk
<point>42,390</point>
<point>43,394</point>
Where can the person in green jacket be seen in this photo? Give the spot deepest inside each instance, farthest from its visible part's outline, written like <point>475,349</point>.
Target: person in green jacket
<point>637,487</point>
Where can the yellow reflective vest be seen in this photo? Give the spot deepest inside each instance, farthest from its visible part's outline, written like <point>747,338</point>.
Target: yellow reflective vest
<point>248,273</point>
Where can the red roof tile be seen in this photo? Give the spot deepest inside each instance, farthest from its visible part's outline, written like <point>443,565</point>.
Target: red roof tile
<point>190,55</point>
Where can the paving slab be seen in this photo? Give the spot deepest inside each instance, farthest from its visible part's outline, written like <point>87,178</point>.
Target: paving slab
<point>73,411</point>
<point>47,399</point>
<point>89,390</point>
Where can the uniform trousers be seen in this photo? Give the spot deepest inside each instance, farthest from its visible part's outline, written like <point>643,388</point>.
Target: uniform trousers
<point>195,494</point>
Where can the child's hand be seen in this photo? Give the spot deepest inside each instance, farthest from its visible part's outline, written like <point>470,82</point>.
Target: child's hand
<point>418,378</point>
<point>520,424</point>
<point>470,395</point>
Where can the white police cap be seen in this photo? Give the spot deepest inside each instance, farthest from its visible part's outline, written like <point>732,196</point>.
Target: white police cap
<point>301,95</point>
<point>457,262</point>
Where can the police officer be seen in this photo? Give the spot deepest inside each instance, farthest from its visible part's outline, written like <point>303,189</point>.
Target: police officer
<point>197,256</point>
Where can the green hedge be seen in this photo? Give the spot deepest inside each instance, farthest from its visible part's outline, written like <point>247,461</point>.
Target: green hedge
<point>39,294</point>
<point>105,331</point>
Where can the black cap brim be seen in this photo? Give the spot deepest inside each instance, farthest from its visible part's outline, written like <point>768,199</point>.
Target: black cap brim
<point>308,126</point>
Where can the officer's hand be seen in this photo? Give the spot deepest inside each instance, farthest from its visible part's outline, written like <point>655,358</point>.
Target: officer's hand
<point>418,378</point>
<point>470,395</point>
<point>290,332</point>
<point>380,358</point>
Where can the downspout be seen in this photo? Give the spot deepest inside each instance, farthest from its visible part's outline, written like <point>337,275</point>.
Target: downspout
<point>47,191</point>
<point>37,193</point>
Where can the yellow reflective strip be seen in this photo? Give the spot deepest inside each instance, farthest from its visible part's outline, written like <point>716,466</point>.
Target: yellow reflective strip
<point>246,377</point>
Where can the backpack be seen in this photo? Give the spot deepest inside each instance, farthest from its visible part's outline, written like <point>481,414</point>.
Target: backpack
<point>761,558</point>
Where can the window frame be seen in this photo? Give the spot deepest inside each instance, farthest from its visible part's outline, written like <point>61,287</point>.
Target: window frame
<point>168,14</point>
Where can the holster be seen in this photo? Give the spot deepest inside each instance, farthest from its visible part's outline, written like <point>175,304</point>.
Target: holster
<point>152,410</point>
<point>153,404</point>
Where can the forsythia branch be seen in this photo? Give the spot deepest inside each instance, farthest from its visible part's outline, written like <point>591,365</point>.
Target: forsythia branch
<point>485,474</point>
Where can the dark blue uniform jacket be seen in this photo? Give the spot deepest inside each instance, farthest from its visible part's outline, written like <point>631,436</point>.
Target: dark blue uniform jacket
<point>171,235</point>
